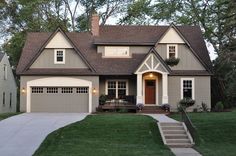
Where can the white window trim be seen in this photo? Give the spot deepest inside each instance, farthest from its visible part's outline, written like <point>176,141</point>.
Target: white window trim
<point>5,71</point>
<point>109,55</point>
<point>193,87</point>
<point>55,56</point>
<point>116,80</point>
<point>176,49</point>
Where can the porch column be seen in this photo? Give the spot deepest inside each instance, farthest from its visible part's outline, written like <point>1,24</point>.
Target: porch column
<point>164,88</point>
<point>139,98</point>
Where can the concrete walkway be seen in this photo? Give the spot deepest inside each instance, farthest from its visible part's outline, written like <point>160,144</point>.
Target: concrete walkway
<point>185,152</point>
<point>177,151</point>
<point>22,134</point>
<point>161,118</point>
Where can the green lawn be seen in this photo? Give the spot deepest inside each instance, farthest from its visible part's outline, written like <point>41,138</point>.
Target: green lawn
<point>217,132</point>
<point>106,135</point>
<point>7,115</point>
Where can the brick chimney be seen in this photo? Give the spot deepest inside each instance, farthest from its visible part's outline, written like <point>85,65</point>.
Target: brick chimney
<point>95,24</point>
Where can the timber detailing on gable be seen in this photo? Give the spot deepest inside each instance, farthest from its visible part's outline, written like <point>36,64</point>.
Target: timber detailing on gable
<point>152,63</point>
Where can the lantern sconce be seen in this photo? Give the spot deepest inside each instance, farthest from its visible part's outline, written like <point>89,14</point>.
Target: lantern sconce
<point>94,91</point>
<point>23,91</point>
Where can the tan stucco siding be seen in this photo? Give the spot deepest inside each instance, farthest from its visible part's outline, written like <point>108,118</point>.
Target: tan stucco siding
<point>187,59</point>
<point>46,60</point>
<point>93,79</point>
<point>202,90</point>
<point>8,86</point>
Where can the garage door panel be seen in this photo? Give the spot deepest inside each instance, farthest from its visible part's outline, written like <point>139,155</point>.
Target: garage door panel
<point>60,102</point>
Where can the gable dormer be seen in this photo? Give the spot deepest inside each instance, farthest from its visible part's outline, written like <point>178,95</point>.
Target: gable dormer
<point>173,44</point>
<point>59,52</point>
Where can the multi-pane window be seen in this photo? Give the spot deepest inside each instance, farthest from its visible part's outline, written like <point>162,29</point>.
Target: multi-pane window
<point>52,90</point>
<point>37,89</point>
<point>172,51</point>
<point>10,100</point>
<point>116,89</point>
<point>187,88</point>
<point>67,90</point>
<point>59,56</point>
<point>111,88</point>
<point>82,90</point>
<point>3,98</point>
<point>5,71</point>
<point>121,88</point>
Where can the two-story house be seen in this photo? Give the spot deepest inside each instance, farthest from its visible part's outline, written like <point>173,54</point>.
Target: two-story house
<point>8,88</point>
<point>68,71</point>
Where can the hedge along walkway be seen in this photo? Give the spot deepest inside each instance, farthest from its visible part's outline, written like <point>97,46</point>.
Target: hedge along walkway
<point>177,151</point>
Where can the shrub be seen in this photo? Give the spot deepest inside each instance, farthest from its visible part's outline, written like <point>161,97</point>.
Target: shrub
<point>186,102</point>
<point>140,106</point>
<point>205,108</point>
<point>172,61</point>
<point>102,99</point>
<point>219,107</point>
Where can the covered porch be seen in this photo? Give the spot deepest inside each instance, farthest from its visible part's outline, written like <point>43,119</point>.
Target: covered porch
<point>152,81</point>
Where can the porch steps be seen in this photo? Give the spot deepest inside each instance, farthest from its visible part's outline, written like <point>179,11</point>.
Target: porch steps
<point>152,110</point>
<point>175,134</point>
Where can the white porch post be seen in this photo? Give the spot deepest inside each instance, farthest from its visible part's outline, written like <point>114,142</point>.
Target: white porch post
<point>139,98</point>
<point>164,88</point>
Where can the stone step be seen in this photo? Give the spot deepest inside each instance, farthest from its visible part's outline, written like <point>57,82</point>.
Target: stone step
<point>174,132</point>
<point>171,124</point>
<point>151,108</point>
<point>176,136</point>
<point>179,145</point>
<point>178,141</point>
<point>152,111</point>
<point>172,128</point>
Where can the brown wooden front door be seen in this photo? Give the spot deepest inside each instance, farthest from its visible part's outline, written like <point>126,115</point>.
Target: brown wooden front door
<point>150,91</point>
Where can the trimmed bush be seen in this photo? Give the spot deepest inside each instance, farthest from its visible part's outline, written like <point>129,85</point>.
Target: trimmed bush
<point>102,99</point>
<point>186,102</point>
<point>219,107</point>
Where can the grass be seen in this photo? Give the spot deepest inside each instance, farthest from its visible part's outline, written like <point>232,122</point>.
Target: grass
<point>106,135</point>
<point>7,115</point>
<point>217,132</point>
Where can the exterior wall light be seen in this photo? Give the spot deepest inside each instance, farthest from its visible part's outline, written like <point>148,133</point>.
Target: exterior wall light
<point>151,75</point>
<point>23,91</point>
<point>94,91</point>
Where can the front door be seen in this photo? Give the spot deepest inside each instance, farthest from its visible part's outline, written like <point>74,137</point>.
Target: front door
<point>150,91</point>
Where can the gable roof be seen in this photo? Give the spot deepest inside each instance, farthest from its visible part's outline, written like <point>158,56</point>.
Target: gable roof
<point>48,40</point>
<point>85,44</point>
<point>1,56</point>
<point>153,51</point>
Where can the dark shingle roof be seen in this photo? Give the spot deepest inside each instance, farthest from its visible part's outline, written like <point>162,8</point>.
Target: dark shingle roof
<point>1,56</point>
<point>115,35</point>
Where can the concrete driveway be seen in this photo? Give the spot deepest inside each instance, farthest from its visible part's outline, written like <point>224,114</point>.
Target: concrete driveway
<point>22,134</point>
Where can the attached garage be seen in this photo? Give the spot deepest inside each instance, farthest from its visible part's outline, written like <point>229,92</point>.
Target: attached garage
<point>59,94</point>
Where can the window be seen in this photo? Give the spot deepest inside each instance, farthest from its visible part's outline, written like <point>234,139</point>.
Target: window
<point>3,98</point>
<point>117,88</point>
<point>116,51</point>
<point>5,71</point>
<point>172,50</point>
<point>187,88</point>
<point>82,90</point>
<point>52,90</point>
<point>10,100</point>
<point>59,56</point>
<point>37,90</point>
<point>66,90</point>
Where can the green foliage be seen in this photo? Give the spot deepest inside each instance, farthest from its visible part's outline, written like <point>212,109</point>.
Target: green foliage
<point>172,61</point>
<point>205,107</point>
<point>219,107</point>
<point>102,99</point>
<point>186,102</point>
